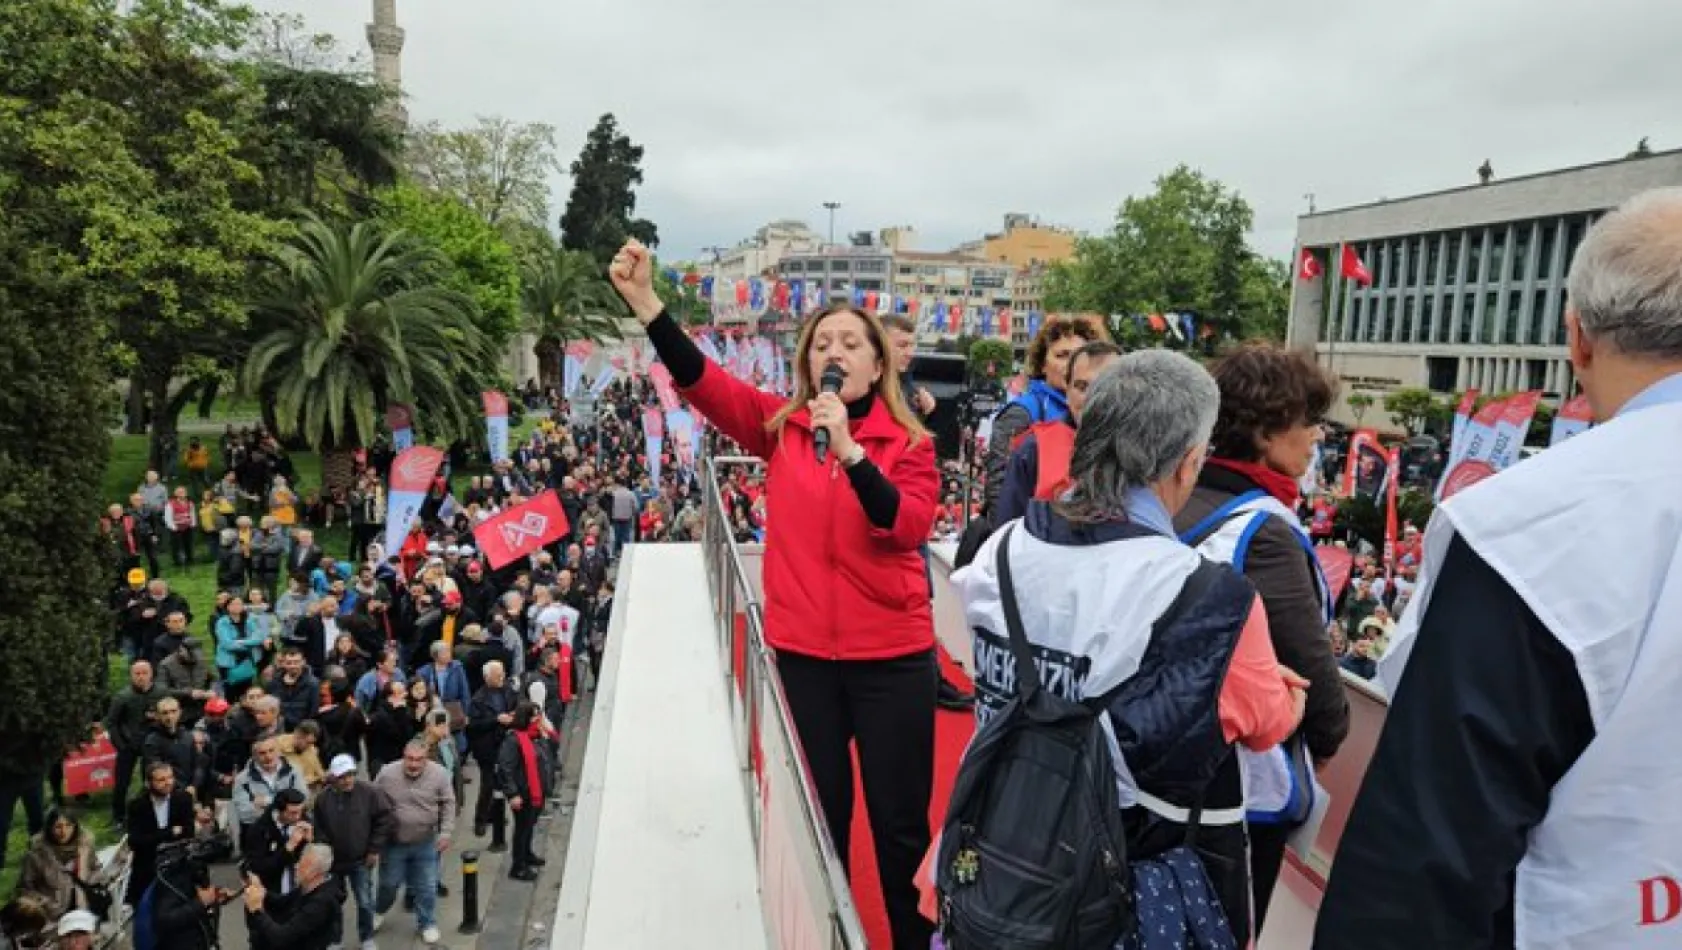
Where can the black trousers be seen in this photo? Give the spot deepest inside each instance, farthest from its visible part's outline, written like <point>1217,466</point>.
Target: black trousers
<point>525,823</point>
<point>887,707</point>
<point>1267,854</point>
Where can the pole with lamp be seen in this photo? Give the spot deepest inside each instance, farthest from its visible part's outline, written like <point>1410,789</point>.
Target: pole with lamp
<point>831,207</point>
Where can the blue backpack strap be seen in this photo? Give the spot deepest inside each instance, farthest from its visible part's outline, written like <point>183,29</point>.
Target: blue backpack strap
<point>1242,549</point>
<point>1215,518</point>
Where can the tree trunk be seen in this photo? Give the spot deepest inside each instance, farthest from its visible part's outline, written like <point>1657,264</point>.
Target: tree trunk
<point>165,444</point>
<point>338,469</point>
<point>548,353</point>
<point>134,407</point>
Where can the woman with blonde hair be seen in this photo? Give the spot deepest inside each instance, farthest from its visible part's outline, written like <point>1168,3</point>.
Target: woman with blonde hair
<point>1044,400</point>
<point>846,601</point>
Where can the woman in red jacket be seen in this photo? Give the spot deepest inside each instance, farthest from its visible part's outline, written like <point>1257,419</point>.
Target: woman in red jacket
<point>846,601</point>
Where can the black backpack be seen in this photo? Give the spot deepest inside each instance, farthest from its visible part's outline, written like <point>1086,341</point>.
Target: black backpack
<point>1033,854</point>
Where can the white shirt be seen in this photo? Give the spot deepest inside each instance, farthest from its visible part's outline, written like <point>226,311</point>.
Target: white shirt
<point>160,811</point>
<point>329,632</point>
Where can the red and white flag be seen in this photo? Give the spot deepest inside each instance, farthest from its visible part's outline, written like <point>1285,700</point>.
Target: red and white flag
<point>1354,268</point>
<point>519,531</point>
<point>411,476</point>
<point>1309,266</point>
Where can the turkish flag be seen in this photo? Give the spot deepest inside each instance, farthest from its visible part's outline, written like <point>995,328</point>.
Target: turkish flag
<point>1354,269</point>
<point>1308,267</point>
<point>519,531</point>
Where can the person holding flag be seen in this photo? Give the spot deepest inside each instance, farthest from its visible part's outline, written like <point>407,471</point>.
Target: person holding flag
<point>1523,792</point>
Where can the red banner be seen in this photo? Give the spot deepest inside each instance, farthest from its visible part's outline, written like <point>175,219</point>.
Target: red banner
<point>1337,564</point>
<point>517,532</point>
<point>1391,533</point>
<point>412,471</point>
<point>496,404</point>
<point>399,416</point>
<point>663,388</point>
<point>653,423</point>
<point>91,768</point>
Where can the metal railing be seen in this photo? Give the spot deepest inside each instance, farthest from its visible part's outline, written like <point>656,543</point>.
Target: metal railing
<point>807,900</point>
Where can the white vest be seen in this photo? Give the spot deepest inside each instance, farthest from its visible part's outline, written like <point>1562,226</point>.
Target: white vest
<point>1589,535</point>
<point>1271,789</point>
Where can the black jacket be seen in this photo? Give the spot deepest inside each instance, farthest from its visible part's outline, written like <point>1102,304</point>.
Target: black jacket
<point>1489,717</point>
<point>356,823</point>
<point>484,733</point>
<point>144,836</point>
<point>511,769</point>
<point>296,921</point>
<point>263,845</point>
<point>180,922</point>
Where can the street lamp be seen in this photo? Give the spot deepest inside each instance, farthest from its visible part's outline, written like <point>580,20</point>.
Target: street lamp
<point>831,206</point>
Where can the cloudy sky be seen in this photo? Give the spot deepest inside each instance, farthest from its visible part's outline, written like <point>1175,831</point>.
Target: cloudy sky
<point>946,114</point>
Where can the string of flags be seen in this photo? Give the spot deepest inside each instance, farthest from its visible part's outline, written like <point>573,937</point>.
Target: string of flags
<point>755,297</point>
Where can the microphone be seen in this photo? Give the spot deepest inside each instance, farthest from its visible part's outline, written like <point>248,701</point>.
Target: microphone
<point>833,377</point>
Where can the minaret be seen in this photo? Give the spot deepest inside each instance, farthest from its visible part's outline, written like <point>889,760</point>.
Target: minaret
<point>386,39</point>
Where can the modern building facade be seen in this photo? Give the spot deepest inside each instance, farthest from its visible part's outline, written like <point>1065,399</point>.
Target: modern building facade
<point>1468,285</point>
<point>759,255</point>
<point>1023,243</point>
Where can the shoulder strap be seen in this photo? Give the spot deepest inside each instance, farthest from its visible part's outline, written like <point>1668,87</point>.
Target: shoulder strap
<point>1212,522</point>
<point>1027,674</point>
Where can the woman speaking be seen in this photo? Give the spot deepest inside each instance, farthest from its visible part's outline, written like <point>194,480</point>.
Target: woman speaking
<point>846,600</point>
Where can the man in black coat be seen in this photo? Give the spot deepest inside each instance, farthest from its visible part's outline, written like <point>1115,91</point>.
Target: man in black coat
<point>489,715</point>
<point>274,843</point>
<point>305,555</point>
<point>159,817</point>
<point>302,919</point>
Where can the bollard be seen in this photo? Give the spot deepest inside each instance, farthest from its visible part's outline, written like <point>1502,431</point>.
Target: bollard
<point>469,893</point>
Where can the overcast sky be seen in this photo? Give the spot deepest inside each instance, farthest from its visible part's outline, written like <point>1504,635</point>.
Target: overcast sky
<point>946,114</point>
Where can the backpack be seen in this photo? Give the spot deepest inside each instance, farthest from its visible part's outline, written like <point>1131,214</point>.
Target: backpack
<point>1033,854</point>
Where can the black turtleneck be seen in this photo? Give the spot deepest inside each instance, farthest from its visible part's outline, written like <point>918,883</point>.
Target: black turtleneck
<point>684,360</point>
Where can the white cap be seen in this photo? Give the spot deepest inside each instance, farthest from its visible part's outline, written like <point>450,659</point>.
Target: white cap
<point>434,547</point>
<point>467,551</point>
<point>342,765</point>
<point>452,551</point>
<point>78,922</point>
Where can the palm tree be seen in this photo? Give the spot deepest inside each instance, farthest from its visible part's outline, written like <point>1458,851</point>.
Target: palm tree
<point>348,326</point>
<point>567,298</point>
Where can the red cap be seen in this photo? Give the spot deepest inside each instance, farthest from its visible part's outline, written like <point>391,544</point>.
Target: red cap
<point>216,706</point>
<point>452,598</point>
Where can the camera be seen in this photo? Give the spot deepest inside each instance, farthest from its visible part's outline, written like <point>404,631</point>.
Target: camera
<point>188,862</point>
<point>979,401</point>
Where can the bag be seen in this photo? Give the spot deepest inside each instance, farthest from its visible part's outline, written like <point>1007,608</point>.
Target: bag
<point>1033,855</point>
<point>458,716</point>
<point>976,533</point>
<point>98,898</point>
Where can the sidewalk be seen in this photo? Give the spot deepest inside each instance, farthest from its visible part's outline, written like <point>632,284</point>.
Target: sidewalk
<point>504,904</point>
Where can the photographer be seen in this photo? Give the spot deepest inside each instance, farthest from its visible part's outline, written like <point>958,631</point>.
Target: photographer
<point>185,907</point>
<point>302,919</point>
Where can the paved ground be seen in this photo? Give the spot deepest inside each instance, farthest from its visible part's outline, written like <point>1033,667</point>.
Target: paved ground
<point>505,905</point>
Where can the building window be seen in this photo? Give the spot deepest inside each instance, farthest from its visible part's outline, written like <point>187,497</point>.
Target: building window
<point>868,284</point>
<point>1497,256</point>
<point>1393,270</point>
<point>838,283</point>
<point>1440,373</point>
<point>1537,324</point>
<point>1535,374</point>
<point>1433,257</point>
<point>1545,256</point>
<point>1559,319</point>
<point>1486,323</point>
<point>793,267</point>
<point>1407,321</point>
<point>1387,331</point>
<point>871,267</point>
<point>1468,305</point>
<point>1573,237</point>
<point>1427,311</point>
<point>906,269</point>
<point>1451,274</point>
<point>1521,251</point>
<point>1515,309</point>
<point>1415,250</point>
<point>840,267</point>
<point>1474,256</point>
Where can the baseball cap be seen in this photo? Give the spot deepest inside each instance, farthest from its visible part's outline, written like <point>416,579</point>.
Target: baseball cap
<point>342,765</point>
<point>468,551</point>
<point>137,576</point>
<point>78,922</point>
<point>215,706</point>
<point>434,548</point>
<point>453,551</point>
<point>452,597</point>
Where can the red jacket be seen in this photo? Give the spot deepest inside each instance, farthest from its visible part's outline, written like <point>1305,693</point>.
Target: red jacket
<point>836,586</point>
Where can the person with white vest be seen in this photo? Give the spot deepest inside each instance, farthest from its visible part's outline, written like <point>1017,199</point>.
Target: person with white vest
<point>1099,576</point>
<point>1243,513</point>
<point>1527,789</point>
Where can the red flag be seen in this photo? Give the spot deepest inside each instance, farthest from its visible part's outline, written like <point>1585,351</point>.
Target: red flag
<point>496,404</point>
<point>519,531</point>
<point>413,469</point>
<point>1354,269</point>
<point>1308,267</point>
<point>1337,564</point>
<point>1390,533</point>
<point>399,416</point>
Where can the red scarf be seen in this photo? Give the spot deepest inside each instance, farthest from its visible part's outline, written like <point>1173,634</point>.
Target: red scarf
<point>1282,487</point>
<point>528,753</point>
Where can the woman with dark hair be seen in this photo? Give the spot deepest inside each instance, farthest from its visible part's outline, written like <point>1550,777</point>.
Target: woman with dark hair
<point>1045,399</point>
<point>60,864</point>
<point>1243,511</point>
<point>846,601</point>
<point>524,772</point>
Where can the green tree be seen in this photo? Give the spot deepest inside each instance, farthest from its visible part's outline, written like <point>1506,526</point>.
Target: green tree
<point>599,213</point>
<point>990,359</point>
<point>1181,248</point>
<point>474,258</point>
<point>499,168</point>
<point>1416,409</point>
<point>351,323</point>
<point>68,187</point>
<point>567,298</point>
<point>1359,403</point>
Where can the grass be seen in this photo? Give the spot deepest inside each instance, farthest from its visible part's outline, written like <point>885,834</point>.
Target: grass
<point>196,583</point>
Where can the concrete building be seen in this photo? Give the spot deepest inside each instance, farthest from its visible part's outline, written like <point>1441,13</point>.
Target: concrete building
<point>840,268</point>
<point>1468,284</point>
<point>1024,242</point>
<point>760,254</point>
<point>953,279</point>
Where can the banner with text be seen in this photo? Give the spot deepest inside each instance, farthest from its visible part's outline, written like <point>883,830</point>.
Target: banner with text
<point>522,530</point>
<point>654,437</point>
<point>411,476</point>
<point>680,427</point>
<point>496,424</point>
<point>1574,418</point>
<point>663,388</point>
<point>400,419</point>
<point>1468,458</point>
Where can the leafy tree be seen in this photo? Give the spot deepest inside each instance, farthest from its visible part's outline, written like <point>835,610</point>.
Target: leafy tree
<point>598,217</point>
<point>499,168</point>
<point>351,323</point>
<point>320,138</point>
<point>1416,409</point>
<point>1359,403</point>
<point>1365,515</point>
<point>1180,249</point>
<point>473,257</point>
<point>990,359</point>
<point>567,298</point>
<point>68,187</point>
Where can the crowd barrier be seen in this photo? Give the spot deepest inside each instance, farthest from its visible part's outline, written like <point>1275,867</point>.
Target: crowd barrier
<point>808,905</point>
